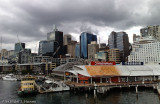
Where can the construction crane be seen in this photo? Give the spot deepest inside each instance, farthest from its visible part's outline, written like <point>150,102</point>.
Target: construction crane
<point>56,51</point>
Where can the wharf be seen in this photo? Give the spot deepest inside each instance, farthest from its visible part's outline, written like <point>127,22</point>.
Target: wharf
<point>58,83</point>
<point>104,87</point>
<point>122,84</point>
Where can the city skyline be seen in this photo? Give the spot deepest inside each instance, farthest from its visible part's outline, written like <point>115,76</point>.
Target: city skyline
<point>31,21</point>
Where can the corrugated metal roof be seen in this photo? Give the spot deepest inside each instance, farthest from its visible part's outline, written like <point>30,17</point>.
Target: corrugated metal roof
<point>141,73</point>
<point>83,70</point>
<point>136,70</point>
<point>102,70</point>
<point>119,70</point>
<point>71,71</point>
<point>123,70</point>
<point>85,73</point>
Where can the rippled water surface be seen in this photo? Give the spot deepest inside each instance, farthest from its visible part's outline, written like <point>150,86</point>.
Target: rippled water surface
<point>8,95</point>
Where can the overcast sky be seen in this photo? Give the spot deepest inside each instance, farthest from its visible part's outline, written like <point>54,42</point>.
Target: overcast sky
<point>32,19</point>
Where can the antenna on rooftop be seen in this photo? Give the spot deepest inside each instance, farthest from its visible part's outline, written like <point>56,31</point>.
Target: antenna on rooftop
<point>54,27</point>
<point>19,43</point>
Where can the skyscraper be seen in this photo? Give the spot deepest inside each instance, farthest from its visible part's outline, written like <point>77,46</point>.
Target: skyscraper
<point>85,39</point>
<point>56,36</point>
<point>93,48</point>
<point>151,31</point>
<point>48,48</point>
<point>19,47</point>
<point>66,39</point>
<point>119,40</point>
<point>77,51</point>
<point>71,48</point>
<point>114,55</point>
<point>23,56</point>
<point>146,50</point>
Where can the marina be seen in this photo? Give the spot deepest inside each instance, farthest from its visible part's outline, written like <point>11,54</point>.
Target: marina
<point>99,78</point>
<point>90,84</point>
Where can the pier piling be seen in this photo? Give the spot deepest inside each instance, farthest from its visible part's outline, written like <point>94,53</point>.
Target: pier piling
<point>94,92</point>
<point>136,89</point>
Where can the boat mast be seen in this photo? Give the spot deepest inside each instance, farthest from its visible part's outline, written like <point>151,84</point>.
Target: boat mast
<point>1,52</point>
<point>1,47</point>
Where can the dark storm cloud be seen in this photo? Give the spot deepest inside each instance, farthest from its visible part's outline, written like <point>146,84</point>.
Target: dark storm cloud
<point>33,19</point>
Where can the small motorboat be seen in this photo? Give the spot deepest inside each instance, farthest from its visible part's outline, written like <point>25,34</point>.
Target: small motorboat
<point>9,77</point>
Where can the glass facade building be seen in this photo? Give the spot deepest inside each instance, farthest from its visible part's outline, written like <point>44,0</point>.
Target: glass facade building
<point>85,39</point>
<point>19,47</point>
<point>47,48</point>
<point>119,40</point>
<point>77,51</point>
<point>57,36</point>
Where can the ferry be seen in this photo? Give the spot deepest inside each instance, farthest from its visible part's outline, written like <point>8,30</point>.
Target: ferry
<point>27,86</point>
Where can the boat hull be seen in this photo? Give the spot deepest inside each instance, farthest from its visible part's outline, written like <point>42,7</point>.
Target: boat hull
<point>9,79</point>
<point>23,93</point>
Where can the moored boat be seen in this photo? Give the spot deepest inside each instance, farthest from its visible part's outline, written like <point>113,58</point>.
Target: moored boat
<point>9,77</point>
<point>54,86</point>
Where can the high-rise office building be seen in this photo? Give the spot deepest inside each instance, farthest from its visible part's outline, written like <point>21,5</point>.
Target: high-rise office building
<point>4,54</point>
<point>56,36</point>
<point>19,47</point>
<point>153,31</point>
<point>146,50</point>
<point>103,47</point>
<point>24,56</point>
<point>93,48</point>
<point>71,48</point>
<point>77,51</point>
<point>10,53</point>
<point>114,55</point>
<point>85,39</point>
<point>119,40</point>
<point>66,39</point>
<point>48,48</point>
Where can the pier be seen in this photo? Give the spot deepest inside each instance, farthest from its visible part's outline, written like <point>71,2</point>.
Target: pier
<point>102,78</point>
<point>104,87</point>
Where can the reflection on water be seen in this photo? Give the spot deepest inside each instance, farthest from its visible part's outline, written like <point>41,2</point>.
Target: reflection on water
<point>8,92</point>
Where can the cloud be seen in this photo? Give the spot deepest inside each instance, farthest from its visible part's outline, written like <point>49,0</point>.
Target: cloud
<point>32,20</point>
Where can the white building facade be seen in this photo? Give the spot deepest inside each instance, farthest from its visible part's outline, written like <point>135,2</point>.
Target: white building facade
<point>145,50</point>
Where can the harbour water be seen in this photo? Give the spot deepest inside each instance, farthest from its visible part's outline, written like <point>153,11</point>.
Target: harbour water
<point>8,95</point>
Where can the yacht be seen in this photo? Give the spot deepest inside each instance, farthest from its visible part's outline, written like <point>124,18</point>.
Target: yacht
<point>54,86</point>
<point>9,77</point>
